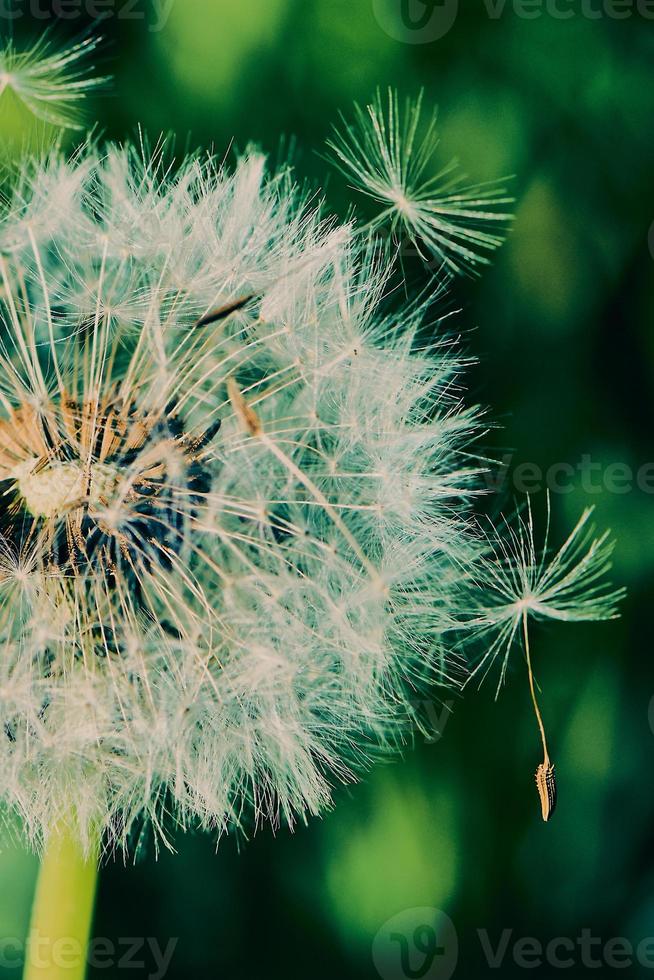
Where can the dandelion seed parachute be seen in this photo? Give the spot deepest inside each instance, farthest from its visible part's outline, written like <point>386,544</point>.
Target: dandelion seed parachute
<point>52,84</point>
<point>518,579</point>
<point>389,156</point>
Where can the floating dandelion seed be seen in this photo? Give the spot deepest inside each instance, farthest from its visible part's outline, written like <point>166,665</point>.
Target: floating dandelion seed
<point>387,157</point>
<point>523,583</point>
<point>51,84</point>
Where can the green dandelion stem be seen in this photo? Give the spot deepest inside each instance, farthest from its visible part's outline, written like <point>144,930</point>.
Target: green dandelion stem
<point>62,914</point>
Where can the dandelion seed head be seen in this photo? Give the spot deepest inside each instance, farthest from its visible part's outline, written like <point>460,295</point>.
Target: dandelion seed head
<point>222,540</point>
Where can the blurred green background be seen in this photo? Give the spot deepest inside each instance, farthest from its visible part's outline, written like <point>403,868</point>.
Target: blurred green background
<point>562,324</point>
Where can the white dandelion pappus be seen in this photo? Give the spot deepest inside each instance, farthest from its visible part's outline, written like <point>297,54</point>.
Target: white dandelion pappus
<point>234,515</point>
<point>389,158</point>
<point>52,84</point>
<point>521,582</point>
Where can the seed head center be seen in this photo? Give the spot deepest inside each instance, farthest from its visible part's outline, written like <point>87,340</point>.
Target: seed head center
<point>51,490</point>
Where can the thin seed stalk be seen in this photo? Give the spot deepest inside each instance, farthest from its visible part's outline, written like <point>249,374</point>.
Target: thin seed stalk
<point>532,689</point>
<point>62,913</point>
